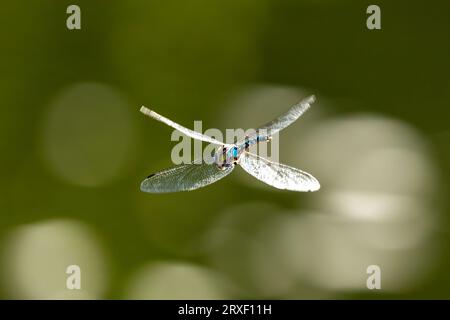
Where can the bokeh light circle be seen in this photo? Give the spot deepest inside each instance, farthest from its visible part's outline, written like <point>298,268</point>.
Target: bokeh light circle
<point>87,134</point>
<point>36,257</point>
<point>175,280</point>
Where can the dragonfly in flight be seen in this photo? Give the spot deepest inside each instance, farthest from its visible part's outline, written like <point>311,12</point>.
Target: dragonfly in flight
<point>191,176</point>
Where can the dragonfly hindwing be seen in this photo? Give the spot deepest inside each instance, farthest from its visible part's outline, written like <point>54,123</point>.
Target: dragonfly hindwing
<point>278,175</point>
<point>184,177</point>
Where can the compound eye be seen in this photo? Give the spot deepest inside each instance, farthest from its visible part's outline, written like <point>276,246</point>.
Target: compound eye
<point>235,152</point>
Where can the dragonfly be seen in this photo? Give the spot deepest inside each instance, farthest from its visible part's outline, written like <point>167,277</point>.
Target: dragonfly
<point>198,174</point>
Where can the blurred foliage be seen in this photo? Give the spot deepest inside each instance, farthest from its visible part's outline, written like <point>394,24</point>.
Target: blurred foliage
<point>186,58</point>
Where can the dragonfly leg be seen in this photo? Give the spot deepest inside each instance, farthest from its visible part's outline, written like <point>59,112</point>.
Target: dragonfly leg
<point>247,143</point>
<point>224,155</point>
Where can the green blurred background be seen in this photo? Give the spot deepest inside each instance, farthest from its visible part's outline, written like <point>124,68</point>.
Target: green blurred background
<point>74,149</point>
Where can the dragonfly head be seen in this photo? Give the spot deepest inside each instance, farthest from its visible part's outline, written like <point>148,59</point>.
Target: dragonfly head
<point>226,156</point>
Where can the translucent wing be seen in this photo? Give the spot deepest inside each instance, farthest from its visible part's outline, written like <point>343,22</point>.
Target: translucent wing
<point>184,177</point>
<point>186,131</point>
<point>278,175</point>
<point>288,118</point>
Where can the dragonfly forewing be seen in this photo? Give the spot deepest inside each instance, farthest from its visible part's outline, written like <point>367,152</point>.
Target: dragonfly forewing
<point>190,133</point>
